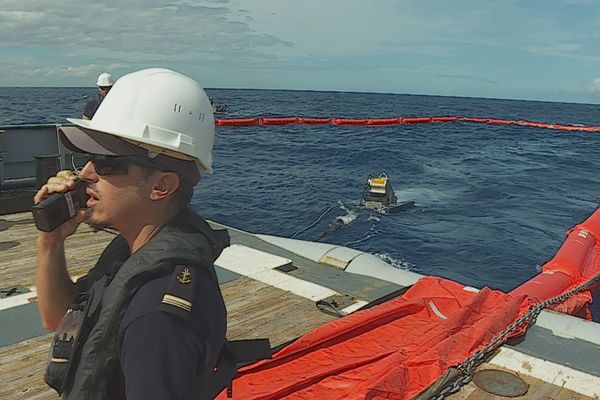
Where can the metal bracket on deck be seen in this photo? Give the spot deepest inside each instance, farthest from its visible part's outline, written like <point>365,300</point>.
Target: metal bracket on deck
<point>12,291</point>
<point>334,305</point>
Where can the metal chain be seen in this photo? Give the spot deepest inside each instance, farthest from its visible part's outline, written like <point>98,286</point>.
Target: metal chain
<point>468,366</point>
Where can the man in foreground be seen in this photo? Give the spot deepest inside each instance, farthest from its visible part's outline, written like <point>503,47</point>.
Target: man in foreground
<point>148,321</point>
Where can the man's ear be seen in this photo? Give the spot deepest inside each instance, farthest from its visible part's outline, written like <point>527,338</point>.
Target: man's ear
<point>165,184</point>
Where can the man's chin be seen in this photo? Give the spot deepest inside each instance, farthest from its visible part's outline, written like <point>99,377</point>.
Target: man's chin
<point>96,225</point>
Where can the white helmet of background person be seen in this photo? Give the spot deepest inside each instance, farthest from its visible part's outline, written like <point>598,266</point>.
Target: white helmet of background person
<point>161,111</point>
<point>104,80</point>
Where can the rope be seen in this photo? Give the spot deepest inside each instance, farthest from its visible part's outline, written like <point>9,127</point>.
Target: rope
<point>313,224</point>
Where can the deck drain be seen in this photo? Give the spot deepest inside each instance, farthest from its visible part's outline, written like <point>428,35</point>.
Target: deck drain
<point>500,383</point>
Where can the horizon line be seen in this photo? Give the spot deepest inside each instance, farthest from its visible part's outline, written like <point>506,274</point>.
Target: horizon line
<point>334,91</point>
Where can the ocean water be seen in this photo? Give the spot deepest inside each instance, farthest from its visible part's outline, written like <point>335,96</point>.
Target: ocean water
<point>493,203</point>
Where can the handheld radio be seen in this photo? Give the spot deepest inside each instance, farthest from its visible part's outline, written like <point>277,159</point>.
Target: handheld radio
<point>58,208</point>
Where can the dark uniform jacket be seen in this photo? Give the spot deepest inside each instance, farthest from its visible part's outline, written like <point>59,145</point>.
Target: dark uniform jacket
<point>92,106</point>
<point>151,325</point>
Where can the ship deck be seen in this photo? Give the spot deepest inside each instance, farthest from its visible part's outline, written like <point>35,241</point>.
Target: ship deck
<point>257,307</point>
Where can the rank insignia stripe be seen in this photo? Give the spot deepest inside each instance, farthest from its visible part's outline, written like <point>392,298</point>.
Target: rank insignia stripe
<point>177,302</point>
<point>179,294</point>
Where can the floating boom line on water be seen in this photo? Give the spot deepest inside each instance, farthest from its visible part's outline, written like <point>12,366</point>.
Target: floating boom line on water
<point>395,121</point>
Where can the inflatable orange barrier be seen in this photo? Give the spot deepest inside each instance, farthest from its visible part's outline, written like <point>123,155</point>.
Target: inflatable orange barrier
<point>416,120</point>
<point>278,121</point>
<point>444,119</point>
<point>566,127</point>
<point>589,128</point>
<point>499,121</point>
<point>349,121</point>
<point>540,125</point>
<point>534,124</point>
<point>397,120</point>
<point>471,119</point>
<point>575,262</point>
<point>314,120</point>
<point>237,122</point>
<point>384,121</point>
<point>384,352</point>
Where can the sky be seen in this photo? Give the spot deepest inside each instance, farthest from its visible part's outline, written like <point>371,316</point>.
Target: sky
<point>545,50</point>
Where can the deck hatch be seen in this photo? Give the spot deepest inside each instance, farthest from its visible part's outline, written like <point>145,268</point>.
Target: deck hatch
<point>286,268</point>
<point>500,383</point>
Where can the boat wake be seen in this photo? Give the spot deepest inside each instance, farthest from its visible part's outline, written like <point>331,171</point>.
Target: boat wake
<point>399,263</point>
<point>351,213</point>
<point>347,216</point>
<point>370,233</point>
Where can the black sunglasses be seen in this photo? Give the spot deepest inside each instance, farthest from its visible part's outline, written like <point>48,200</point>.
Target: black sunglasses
<point>118,165</point>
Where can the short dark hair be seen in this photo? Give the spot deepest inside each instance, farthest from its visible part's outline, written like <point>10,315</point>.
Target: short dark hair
<point>183,194</point>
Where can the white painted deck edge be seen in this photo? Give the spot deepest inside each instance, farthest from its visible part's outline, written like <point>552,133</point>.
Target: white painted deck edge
<point>18,300</point>
<point>547,371</point>
<point>259,265</point>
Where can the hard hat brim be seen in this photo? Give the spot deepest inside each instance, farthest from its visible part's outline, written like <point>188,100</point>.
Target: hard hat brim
<point>82,140</point>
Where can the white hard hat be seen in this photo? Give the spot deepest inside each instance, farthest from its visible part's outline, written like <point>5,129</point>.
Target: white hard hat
<point>104,79</point>
<point>159,110</point>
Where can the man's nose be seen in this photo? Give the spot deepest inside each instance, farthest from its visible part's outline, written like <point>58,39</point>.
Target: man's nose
<point>88,172</point>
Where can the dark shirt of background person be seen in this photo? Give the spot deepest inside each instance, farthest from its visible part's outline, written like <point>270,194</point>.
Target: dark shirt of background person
<point>104,84</point>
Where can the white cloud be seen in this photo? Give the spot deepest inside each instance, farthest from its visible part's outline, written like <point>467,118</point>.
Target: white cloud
<point>52,75</point>
<point>475,48</point>
<point>83,70</point>
<point>48,38</point>
<point>592,86</point>
<point>148,27</point>
<point>470,78</point>
<point>560,50</point>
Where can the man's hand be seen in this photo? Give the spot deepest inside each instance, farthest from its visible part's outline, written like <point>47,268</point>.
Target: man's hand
<point>61,183</point>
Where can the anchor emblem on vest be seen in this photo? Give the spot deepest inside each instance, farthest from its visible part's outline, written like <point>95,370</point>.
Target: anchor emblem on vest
<point>184,277</point>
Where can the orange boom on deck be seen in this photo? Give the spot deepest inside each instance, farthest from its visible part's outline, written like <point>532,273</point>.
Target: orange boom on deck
<point>576,261</point>
<point>399,348</point>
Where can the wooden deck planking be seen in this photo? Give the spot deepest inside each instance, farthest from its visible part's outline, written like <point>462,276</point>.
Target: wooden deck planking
<point>18,250</point>
<point>22,373</point>
<point>255,309</point>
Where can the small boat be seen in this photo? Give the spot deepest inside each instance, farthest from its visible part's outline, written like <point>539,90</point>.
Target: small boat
<point>218,108</point>
<point>379,196</point>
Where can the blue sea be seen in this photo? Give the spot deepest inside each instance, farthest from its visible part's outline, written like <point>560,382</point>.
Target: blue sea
<point>493,203</point>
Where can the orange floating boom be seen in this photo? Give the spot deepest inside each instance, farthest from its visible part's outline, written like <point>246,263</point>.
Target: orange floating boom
<point>396,121</point>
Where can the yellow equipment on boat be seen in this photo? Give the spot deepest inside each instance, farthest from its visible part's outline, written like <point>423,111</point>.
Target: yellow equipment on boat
<point>378,185</point>
<point>379,196</point>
